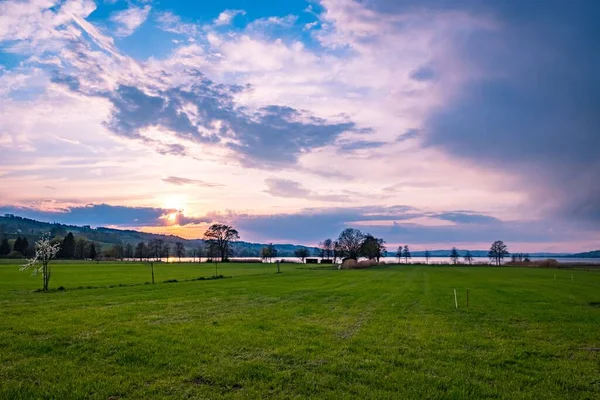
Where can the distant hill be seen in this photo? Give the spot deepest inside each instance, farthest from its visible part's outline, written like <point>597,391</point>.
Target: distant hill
<point>587,254</point>
<point>13,226</point>
<point>480,253</point>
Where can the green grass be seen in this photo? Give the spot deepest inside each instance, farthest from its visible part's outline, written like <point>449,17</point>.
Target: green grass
<point>390,332</point>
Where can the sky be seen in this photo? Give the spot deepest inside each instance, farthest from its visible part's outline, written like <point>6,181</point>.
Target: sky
<point>432,123</point>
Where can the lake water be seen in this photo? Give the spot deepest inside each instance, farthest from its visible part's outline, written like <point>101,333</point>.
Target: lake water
<point>432,260</point>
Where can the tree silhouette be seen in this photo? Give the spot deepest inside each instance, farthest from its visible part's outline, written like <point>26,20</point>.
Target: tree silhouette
<point>4,247</point>
<point>498,251</point>
<point>301,253</point>
<point>219,237</point>
<point>406,253</point>
<point>350,241</point>
<point>469,258</point>
<point>454,255</point>
<point>179,250</point>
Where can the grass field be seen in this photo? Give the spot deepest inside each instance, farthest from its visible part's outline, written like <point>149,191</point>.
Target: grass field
<point>391,332</point>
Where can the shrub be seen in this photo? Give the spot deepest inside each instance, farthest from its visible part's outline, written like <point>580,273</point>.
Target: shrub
<point>353,264</point>
<point>327,261</point>
<point>14,254</point>
<point>550,263</point>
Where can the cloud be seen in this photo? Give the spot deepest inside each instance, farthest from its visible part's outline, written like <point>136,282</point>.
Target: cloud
<point>175,180</point>
<point>107,215</point>
<point>292,189</point>
<point>130,19</point>
<point>465,217</point>
<point>396,226</point>
<point>206,113</point>
<point>423,73</point>
<point>268,22</point>
<point>349,146</point>
<point>169,22</point>
<point>409,134</point>
<point>532,108</point>
<point>227,16</point>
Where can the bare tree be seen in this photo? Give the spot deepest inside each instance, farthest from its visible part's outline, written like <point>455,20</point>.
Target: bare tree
<point>351,241</point>
<point>337,251</point>
<point>267,253</point>
<point>454,255</point>
<point>301,253</point>
<point>399,254</point>
<point>179,250</point>
<point>327,249</point>
<point>406,253</point>
<point>497,252</point>
<point>427,256</point>
<point>166,251</point>
<point>469,258</point>
<point>44,253</point>
<point>221,236</point>
<point>140,251</point>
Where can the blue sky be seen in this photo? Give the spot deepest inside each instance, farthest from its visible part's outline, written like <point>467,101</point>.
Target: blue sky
<point>433,123</point>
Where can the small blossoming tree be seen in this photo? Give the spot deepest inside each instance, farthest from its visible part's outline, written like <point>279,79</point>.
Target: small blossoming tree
<point>40,263</point>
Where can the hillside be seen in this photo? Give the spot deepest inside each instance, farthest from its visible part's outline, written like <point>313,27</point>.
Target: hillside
<point>12,226</point>
<point>587,254</point>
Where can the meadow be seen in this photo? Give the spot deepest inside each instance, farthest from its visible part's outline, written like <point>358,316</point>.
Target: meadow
<point>388,332</point>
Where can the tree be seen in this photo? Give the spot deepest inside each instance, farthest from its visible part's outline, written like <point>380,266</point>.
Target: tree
<point>165,251</point>
<point>4,247</point>
<point>399,254</point>
<point>25,247</point>
<point>268,252</point>
<point>155,248</point>
<point>179,250</point>
<point>326,249</point>
<point>140,251</point>
<point>200,252</point>
<point>406,253</point>
<point>81,245</point>
<point>93,253</point>
<point>21,245</point>
<point>497,252</point>
<point>44,253</point>
<point>337,251</point>
<point>350,242</point>
<point>469,258</point>
<point>67,249</point>
<point>220,236</point>
<point>17,245</point>
<point>128,251</point>
<point>373,248</point>
<point>454,255</point>
<point>427,256</point>
<point>301,253</point>
<point>212,252</point>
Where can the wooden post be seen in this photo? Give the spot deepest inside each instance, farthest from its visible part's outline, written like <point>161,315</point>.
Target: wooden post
<point>216,265</point>
<point>152,267</point>
<point>455,299</point>
<point>467,298</point>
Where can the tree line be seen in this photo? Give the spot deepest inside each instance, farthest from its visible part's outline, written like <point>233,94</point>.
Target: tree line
<point>350,244</point>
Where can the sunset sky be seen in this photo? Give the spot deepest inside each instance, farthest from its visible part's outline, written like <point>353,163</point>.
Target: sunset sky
<point>433,123</point>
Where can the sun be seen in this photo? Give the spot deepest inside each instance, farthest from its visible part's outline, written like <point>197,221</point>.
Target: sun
<point>172,217</point>
<point>175,202</point>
